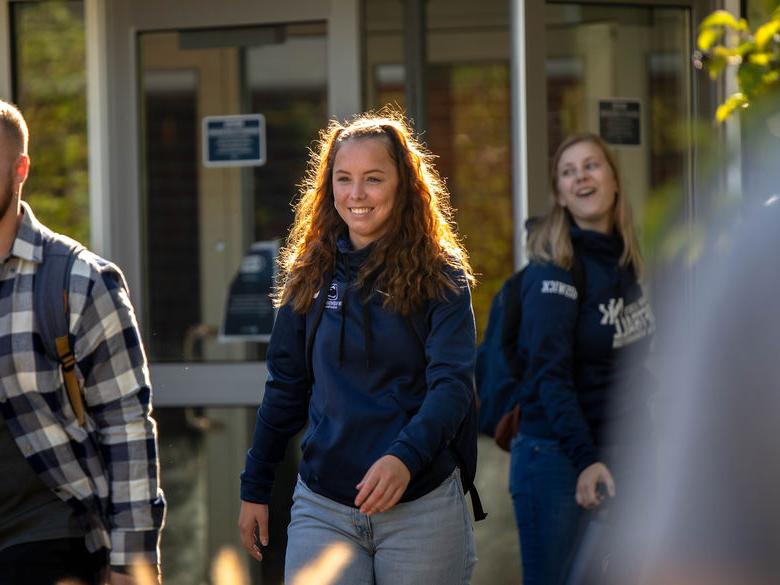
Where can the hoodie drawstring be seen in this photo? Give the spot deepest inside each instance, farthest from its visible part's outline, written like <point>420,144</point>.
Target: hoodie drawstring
<point>367,332</point>
<point>367,335</point>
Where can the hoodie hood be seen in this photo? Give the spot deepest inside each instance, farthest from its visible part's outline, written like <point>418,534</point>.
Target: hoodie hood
<point>608,247</point>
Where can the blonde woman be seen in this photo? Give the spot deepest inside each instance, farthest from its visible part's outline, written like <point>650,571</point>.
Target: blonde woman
<point>584,314</point>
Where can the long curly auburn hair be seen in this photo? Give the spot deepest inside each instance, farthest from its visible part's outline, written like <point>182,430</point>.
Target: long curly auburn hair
<point>413,261</point>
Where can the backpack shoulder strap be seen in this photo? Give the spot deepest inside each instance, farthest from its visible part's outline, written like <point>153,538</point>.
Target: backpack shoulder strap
<point>313,318</point>
<point>511,294</point>
<point>418,323</point>
<point>52,310</point>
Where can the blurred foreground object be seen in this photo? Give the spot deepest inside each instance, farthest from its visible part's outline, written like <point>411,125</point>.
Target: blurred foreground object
<point>228,568</point>
<point>327,568</point>
<point>710,517</point>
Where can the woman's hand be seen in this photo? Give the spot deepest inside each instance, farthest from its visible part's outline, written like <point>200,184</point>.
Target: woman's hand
<point>252,522</point>
<point>383,485</point>
<point>588,495</point>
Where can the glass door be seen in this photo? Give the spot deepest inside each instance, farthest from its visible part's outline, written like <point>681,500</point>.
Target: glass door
<point>207,116</point>
<point>213,219</point>
<point>202,217</point>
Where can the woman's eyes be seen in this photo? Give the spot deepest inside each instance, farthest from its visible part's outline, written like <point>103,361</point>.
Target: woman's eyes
<point>345,179</point>
<point>568,172</point>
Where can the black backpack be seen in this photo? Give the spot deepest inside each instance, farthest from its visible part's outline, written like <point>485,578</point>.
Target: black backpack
<point>500,368</point>
<point>464,444</point>
<point>52,310</point>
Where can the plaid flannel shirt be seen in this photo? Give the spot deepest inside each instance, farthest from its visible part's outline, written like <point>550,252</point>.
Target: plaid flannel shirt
<point>108,469</point>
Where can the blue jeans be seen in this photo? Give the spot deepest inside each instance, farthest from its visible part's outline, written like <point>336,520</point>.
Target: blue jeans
<point>542,482</point>
<point>428,541</point>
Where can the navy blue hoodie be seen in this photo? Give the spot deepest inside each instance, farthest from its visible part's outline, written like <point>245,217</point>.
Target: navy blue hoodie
<point>376,390</point>
<point>585,357</point>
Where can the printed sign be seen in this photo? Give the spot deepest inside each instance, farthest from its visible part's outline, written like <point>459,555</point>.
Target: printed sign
<point>234,141</point>
<point>620,122</point>
<point>249,313</point>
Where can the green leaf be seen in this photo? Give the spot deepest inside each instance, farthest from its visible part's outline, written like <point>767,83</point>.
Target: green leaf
<point>708,37</point>
<point>716,65</point>
<point>722,52</point>
<point>720,18</point>
<point>765,33</point>
<point>727,108</point>
<point>746,48</point>
<point>749,78</point>
<point>771,77</point>
<point>760,59</point>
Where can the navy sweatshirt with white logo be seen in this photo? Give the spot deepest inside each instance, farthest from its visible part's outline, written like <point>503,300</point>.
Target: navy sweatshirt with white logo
<point>584,356</point>
<point>376,390</point>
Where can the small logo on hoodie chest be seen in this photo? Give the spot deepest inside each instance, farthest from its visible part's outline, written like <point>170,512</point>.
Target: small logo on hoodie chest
<point>333,302</point>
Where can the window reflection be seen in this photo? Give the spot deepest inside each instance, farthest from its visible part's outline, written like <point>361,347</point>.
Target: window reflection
<point>200,222</point>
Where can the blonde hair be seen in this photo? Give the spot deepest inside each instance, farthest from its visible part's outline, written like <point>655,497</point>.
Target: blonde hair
<point>13,126</point>
<point>410,261</point>
<point>550,237</point>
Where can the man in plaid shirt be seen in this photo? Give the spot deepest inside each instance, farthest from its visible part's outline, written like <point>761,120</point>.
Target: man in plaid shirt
<point>76,501</point>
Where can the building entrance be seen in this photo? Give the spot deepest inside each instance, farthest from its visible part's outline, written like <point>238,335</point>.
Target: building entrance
<point>214,104</point>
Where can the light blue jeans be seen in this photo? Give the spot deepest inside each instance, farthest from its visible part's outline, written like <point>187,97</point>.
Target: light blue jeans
<point>428,541</point>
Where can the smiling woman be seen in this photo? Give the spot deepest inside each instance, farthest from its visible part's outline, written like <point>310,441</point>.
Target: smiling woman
<point>372,181</point>
<point>374,347</point>
<point>584,161</point>
<point>587,186</point>
<point>365,181</point>
<point>584,314</point>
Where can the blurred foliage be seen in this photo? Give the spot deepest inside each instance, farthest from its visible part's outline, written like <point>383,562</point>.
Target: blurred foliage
<point>50,84</point>
<point>679,236</point>
<point>727,41</point>
<point>481,182</point>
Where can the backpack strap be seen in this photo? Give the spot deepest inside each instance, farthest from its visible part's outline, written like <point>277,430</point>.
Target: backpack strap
<point>419,325</point>
<point>314,323</point>
<point>52,311</point>
<point>511,295</point>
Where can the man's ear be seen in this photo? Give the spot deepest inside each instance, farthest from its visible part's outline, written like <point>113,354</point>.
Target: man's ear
<point>21,169</point>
